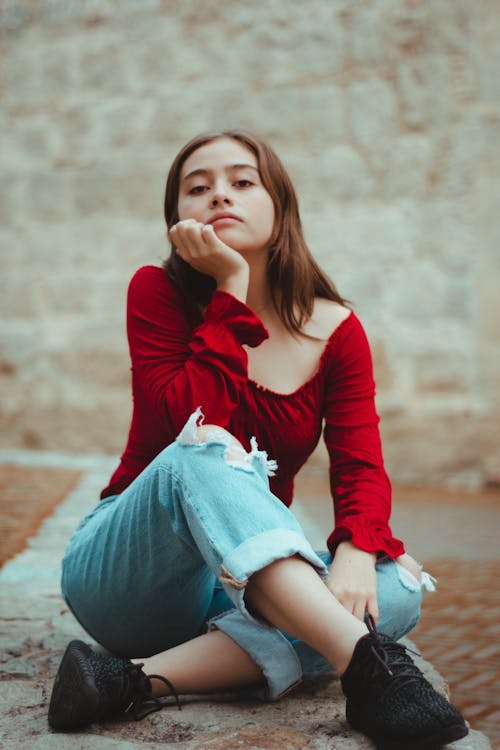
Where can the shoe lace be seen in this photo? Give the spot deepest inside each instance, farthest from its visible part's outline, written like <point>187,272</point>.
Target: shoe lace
<point>136,687</point>
<point>394,659</point>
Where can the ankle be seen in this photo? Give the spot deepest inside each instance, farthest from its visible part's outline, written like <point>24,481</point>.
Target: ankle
<point>158,688</point>
<point>344,647</point>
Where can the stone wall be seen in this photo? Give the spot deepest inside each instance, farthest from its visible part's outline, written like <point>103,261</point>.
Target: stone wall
<point>387,116</point>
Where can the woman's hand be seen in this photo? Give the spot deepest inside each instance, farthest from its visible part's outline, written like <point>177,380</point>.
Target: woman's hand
<point>199,246</point>
<point>409,562</point>
<point>352,580</point>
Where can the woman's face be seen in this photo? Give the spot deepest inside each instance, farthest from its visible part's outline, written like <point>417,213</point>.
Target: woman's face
<point>220,185</point>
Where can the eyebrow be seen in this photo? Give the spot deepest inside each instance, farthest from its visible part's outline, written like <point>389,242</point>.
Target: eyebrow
<point>227,169</point>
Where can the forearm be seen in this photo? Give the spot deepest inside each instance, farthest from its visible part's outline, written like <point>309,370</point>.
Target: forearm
<point>236,284</point>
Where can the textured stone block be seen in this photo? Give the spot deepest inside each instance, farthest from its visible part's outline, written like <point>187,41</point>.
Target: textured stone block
<point>47,196</point>
<point>372,110</point>
<point>410,166</point>
<point>344,174</point>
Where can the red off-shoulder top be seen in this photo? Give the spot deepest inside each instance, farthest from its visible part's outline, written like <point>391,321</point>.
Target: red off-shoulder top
<point>176,368</point>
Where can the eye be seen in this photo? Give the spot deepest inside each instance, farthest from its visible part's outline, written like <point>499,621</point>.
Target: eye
<point>243,183</point>
<point>197,189</point>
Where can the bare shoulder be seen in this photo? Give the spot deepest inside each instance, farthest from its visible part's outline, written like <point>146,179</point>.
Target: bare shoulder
<point>326,317</point>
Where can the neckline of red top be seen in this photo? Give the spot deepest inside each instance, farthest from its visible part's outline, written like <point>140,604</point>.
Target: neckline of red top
<point>331,339</point>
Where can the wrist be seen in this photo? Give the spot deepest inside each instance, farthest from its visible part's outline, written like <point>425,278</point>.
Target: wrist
<point>347,547</point>
<point>236,284</point>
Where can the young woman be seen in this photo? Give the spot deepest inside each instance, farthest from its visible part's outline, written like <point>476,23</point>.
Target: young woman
<point>192,562</point>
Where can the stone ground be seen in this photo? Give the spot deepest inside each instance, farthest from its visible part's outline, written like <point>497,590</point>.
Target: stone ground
<point>35,626</point>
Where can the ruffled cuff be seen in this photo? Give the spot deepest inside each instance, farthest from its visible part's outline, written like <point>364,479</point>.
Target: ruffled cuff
<point>370,537</point>
<point>237,317</point>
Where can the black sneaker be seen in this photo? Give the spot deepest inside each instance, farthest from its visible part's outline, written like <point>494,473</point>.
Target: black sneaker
<point>389,699</point>
<point>92,687</point>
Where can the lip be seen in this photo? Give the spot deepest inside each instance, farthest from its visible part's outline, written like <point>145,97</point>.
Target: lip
<point>223,216</point>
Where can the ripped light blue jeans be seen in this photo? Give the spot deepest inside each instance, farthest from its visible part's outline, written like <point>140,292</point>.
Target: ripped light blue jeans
<point>170,557</point>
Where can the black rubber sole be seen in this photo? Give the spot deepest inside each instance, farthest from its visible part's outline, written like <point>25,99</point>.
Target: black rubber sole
<point>74,701</point>
<point>436,740</point>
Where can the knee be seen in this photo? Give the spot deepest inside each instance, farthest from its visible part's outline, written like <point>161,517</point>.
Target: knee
<point>195,432</point>
<point>400,599</point>
<point>212,432</point>
<point>411,566</point>
<point>235,455</point>
<point>208,432</point>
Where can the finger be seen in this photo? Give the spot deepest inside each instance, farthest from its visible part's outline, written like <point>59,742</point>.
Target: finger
<point>359,607</point>
<point>189,231</point>
<point>372,607</point>
<point>408,562</point>
<point>347,602</point>
<point>178,242</point>
<point>212,242</point>
<point>187,239</point>
<point>175,237</point>
<point>178,228</point>
<point>171,233</point>
<point>186,223</point>
<point>209,237</point>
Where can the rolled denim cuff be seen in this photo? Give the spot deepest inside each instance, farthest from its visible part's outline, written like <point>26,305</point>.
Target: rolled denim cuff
<point>268,648</point>
<point>256,553</point>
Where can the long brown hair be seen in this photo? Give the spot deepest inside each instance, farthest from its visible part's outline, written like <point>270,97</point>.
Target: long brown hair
<point>295,278</point>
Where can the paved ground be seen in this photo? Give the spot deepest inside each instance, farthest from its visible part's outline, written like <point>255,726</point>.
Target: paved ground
<point>35,625</point>
<point>26,498</point>
<point>459,634</point>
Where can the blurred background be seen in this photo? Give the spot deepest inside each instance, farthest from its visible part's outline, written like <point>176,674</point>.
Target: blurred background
<point>386,114</point>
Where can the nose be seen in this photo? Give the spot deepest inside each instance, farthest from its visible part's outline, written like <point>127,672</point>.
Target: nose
<point>220,197</point>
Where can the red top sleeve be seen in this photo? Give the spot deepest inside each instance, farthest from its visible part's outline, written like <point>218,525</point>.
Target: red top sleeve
<point>178,369</point>
<point>360,487</point>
